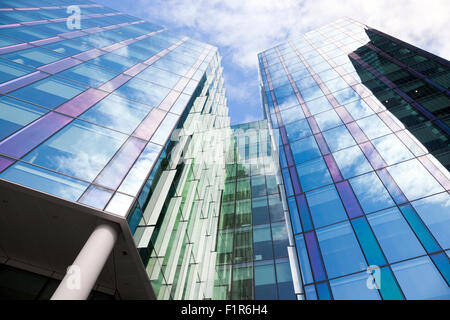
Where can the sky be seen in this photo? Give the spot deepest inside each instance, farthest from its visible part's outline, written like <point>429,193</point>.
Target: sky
<point>243,28</point>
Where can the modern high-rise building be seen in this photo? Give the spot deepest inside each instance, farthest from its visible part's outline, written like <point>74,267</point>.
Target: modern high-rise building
<point>121,177</point>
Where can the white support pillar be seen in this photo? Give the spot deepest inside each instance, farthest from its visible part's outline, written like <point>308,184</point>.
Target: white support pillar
<point>82,275</point>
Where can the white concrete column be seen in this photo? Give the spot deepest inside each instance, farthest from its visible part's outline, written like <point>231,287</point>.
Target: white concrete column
<point>82,275</point>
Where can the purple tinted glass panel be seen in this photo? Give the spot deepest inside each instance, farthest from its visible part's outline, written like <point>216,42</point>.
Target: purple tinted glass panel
<point>14,48</point>
<point>284,137</point>
<point>113,47</point>
<point>306,110</point>
<point>5,163</point>
<point>295,181</point>
<point>115,83</point>
<point>389,122</point>
<point>322,144</point>
<point>373,105</point>
<point>314,255</point>
<point>181,84</point>
<point>134,70</point>
<point>372,154</point>
<point>313,124</point>
<point>115,171</point>
<point>22,81</point>
<point>60,65</point>
<point>334,170</point>
<point>96,197</point>
<point>34,23</point>
<point>167,103</point>
<point>304,212</point>
<point>349,199</point>
<point>72,34</point>
<point>88,55</point>
<point>288,153</point>
<point>46,41</point>
<point>82,102</point>
<point>356,132</point>
<point>29,137</point>
<point>149,125</point>
<point>392,187</point>
<point>344,115</point>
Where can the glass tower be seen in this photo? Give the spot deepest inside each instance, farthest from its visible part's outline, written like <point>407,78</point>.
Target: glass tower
<point>116,144</point>
<point>361,121</point>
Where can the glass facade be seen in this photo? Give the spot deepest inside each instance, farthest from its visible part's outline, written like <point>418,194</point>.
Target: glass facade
<point>361,121</point>
<point>341,192</point>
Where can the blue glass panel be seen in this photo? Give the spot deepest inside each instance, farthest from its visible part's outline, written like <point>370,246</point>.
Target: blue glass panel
<point>280,239</point>
<point>80,149</point>
<point>394,235</point>
<point>34,57</point>
<point>295,219</point>
<point>420,280</point>
<point>89,74</point>
<point>323,291</point>
<point>10,70</point>
<point>313,174</point>
<point>49,92</point>
<point>292,114</point>
<point>161,77</point>
<point>287,182</point>
<point>265,283</point>
<point>435,212</point>
<point>420,229</point>
<point>392,150</point>
<point>371,193</point>
<point>298,130</point>
<point>305,149</point>
<point>345,96</point>
<point>302,253</point>
<point>352,162</point>
<point>385,281</point>
<point>319,105</point>
<point>262,243</point>
<point>325,206</point>
<point>414,180</point>
<point>15,114</point>
<point>338,241</point>
<point>353,287</point>
<point>327,120</point>
<point>143,91</point>
<point>310,292</point>
<point>442,262</point>
<point>358,109</point>
<point>336,84</point>
<point>338,138</point>
<point>68,47</point>
<point>368,243</point>
<point>284,280</point>
<point>44,180</point>
<point>117,113</point>
<point>373,127</point>
<point>25,33</point>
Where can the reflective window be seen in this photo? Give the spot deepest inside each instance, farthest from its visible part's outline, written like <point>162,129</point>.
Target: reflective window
<point>325,206</point>
<point>318,105</point>
<point>392,149</point>
<point>117,113</point>
<point>371,193</point>
<point>336,84</point>
<point>353,287</point>
<point>358,109</point>
<point>373,127</point>
<point>298,130</point>
<point>260,211</point>
<point>89,74</point>
<point>113,61</point>
<point>435,212</point>
<point>338,241</point>
<point>420,280</point>
<point>14,114</point>
<point>143,91</point>
<point>302,253</point>
<point>49,92</point>
<point>280,239</point>
<point>80,149</point>
<point>327,120</point>
<point>34,57</point>
<point>10,70</point>
<point>262,242</point>
<point>258,186</point>
<point>292,114</point>
<point>338,138</point>
<point>394,235</point>
<point>313,174</point>
<point>414,180</point>
<point>44,180</point>
<point>352,162</point>
<point>345,96</point>
<point>265,283</point>
<point>305,149</point>
<point>161,77</point>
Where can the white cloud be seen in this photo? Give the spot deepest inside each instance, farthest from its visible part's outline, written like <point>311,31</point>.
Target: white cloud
<point>247,27</point>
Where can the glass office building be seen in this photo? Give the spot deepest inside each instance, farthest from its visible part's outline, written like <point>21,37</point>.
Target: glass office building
<point>361,121</point>
<point>117,156</point>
